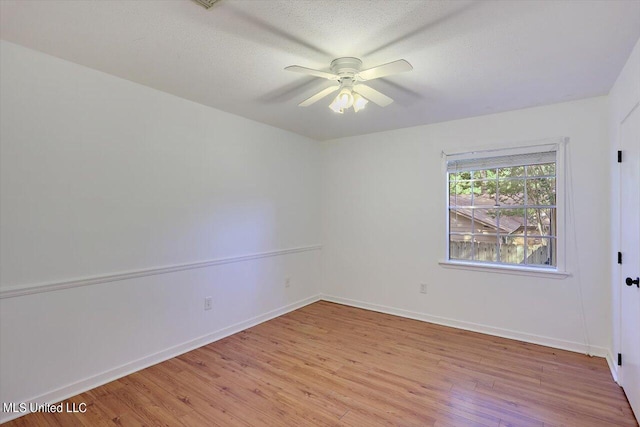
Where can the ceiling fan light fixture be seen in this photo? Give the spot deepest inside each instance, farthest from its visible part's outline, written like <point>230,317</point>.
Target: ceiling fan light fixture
<point>359,102</point>
<point>336,105</point>
<point>343,101</point>
<point>346,98</point>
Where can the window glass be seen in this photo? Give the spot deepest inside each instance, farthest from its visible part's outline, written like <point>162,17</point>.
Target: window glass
<point>505,214</point>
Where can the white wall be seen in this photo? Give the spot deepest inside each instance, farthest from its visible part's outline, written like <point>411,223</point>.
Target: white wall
<point>102,176</point>
<point>623,97</point>
<point>384,228</point>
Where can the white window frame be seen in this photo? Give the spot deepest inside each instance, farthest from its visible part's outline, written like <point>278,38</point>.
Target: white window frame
<point>551,144</point>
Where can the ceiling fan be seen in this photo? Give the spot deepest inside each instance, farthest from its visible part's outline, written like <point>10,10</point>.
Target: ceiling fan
<point>346,72</point>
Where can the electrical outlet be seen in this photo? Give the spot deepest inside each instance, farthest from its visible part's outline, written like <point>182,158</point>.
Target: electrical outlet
<point>287,282</point>
<point>423,288</point>
<point>208,303</point>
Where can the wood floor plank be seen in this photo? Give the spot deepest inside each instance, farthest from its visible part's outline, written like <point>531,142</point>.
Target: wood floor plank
<point>332,365</point>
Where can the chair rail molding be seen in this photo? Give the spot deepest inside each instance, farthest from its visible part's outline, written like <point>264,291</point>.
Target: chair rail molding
<point>22,290</point>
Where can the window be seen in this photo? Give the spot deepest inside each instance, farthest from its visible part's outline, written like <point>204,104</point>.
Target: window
<point>503,207</point>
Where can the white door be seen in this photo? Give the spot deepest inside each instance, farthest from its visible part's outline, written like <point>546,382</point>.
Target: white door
<point>630,271</point>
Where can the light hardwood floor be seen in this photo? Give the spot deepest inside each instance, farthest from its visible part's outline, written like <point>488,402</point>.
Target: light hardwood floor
<point>328,364</point>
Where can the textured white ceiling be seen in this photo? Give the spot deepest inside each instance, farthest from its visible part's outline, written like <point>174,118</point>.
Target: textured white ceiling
<point>469,58</point>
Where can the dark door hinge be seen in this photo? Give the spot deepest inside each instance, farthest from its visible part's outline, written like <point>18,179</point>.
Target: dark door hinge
<point>619,257</point>
<point>619,359</point>
<point>619,156</point>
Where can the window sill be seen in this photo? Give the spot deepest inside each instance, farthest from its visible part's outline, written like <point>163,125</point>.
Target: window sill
<point>504,269</point>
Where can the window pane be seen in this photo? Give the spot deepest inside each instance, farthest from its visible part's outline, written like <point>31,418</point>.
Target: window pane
<point>541,222</point>
<point>473,248</point>
<point>484,193</point>
<point>456,200</point>
<point>459,176</point>
<point>484,174</point>
<point>511,172</point>
<point>460,221</point>
<point>461,247</point>
<point>459,187</point>
<point>511,192</point>
<point>511,221</point>
<point>485,221</point>
<point>542,170</point>
<point>486,248</point>
<point>541,252</point>
<point>541,191</point>
<point>511,250</point>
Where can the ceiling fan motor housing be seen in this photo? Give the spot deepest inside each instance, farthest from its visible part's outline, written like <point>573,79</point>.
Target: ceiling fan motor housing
<point>346,68</point>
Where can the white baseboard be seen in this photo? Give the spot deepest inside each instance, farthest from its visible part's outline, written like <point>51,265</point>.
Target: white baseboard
<point>613,366</point>
<point>153,359</point>
<point>474,327</point>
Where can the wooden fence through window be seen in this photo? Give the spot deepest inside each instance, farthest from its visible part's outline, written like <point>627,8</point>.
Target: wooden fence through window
<point>509,254</point>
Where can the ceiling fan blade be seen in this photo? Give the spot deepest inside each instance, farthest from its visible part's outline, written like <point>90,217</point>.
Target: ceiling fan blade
<point>312,72</point>
<point>318,96</point>
<point>395,67</point>
<point>373,95</point>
